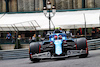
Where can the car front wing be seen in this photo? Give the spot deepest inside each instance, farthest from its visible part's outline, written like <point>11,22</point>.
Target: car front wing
<point>69,53</point>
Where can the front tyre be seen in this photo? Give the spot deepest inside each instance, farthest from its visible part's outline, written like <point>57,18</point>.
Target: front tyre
<point>82,44</point>
<point>34,48</point>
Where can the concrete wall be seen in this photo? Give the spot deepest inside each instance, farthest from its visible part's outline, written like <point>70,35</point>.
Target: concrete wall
<point>2,6</point>
<point>7,46</point>
<point>37,5</point>
<point>79,5</point>
<point>68,4</point>
<point>90,3</point>
<point>13,5</point>
<point>11,46</point>
<point>97,3</point>
<point>30,5</point>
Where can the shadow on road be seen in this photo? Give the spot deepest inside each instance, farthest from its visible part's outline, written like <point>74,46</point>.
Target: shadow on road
<point>54,60</point>
<point>91,55</point>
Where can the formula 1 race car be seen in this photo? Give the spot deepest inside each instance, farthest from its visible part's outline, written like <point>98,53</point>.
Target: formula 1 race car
<point>58,46</point>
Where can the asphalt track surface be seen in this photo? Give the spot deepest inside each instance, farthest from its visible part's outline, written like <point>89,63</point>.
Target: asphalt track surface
<point>93,60</point>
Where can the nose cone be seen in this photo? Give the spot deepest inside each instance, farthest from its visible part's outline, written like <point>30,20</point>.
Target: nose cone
<point>58,47</point>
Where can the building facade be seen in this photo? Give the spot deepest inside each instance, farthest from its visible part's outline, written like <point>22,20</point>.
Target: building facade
<point>37,5</point>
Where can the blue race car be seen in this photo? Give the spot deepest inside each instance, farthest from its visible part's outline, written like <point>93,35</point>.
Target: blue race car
<point>58,46</point>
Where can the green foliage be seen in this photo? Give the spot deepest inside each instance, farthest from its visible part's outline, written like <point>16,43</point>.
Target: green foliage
<point>17,44</point>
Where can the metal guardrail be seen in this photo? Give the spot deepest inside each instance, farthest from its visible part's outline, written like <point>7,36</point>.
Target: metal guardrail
<point>93,44</point>
<point>14,54</point>
<point>23,53</point>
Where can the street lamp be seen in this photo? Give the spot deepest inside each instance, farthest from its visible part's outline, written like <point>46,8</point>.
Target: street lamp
<point>47,13</point>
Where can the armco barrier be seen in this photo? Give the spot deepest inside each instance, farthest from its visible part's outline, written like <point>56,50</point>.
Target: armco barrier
<point>23,53</point>
<point>14,54</point>
<point>93,44</point>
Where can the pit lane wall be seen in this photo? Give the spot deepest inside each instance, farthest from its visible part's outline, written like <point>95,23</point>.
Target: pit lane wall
<point>93,44</point>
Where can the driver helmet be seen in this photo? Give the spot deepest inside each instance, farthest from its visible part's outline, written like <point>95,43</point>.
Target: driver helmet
<point>57,30</point>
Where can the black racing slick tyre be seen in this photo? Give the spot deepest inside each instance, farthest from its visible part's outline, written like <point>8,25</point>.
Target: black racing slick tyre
<point>82,44</point>
<point>34,49</point>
